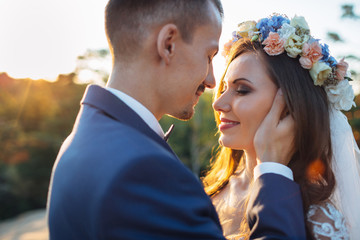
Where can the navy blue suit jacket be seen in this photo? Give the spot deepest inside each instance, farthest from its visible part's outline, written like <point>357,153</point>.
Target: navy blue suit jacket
<point>115,178</point>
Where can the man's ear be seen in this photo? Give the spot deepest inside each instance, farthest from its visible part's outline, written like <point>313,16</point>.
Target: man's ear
<point>167,37</point>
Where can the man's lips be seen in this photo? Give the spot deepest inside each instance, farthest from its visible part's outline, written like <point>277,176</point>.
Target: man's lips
<point>200,90</point>
<point>199,93</point>
<point>226,124</point>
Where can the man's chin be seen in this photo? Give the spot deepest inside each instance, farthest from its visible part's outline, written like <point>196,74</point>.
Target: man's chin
<point>185,115</point>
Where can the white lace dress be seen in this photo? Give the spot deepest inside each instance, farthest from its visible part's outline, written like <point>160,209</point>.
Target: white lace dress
<point>326,222</point>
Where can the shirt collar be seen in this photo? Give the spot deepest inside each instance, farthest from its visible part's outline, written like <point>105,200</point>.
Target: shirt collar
<point>140,109</point>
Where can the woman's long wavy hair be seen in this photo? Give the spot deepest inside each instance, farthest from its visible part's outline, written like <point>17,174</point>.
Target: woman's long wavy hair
<point>308,105</point>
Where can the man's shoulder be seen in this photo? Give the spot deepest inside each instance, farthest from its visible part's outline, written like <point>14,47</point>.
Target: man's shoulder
<point>112,156</point>
<point>118,144</point>
<point>95,127</point>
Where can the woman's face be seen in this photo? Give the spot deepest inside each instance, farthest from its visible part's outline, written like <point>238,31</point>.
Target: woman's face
<point>246,99</point>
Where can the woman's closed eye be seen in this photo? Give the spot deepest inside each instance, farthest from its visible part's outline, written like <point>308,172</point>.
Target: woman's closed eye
<point>243,90</point>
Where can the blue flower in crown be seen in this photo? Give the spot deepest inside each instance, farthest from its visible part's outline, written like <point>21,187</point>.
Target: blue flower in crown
<point>325,52</point>
<point>267,25</point>
<point>279,21</point>
<point>332,61</point>
<point>327,58</point>
<point>235,36</point>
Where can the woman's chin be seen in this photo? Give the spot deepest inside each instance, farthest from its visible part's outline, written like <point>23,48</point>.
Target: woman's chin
<point>223,141</point>
<point>234,144</point>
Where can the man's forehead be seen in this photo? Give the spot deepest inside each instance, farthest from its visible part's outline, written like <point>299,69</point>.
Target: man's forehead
<point>211,33</point>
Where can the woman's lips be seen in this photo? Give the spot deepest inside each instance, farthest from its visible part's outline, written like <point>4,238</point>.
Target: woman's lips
<point>226,124</point>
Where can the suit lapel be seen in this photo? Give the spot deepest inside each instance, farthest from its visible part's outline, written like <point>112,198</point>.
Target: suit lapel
<point>112,106</point>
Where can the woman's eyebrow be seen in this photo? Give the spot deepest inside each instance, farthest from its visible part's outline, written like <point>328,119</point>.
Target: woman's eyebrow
<point>241,79</point>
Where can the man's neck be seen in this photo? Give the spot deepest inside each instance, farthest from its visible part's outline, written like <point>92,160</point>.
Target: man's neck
<point>138,85</point>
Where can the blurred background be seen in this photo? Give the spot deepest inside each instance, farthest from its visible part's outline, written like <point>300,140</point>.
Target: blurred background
<point>50,50</point>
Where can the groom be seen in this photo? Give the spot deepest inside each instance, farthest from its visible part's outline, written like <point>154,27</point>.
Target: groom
<point>116,178</point>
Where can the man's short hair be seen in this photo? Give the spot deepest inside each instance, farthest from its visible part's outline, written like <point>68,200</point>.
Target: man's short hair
<point>127,21</point>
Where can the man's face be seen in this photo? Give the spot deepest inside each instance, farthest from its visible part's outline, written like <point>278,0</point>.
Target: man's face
<point>194,70</point>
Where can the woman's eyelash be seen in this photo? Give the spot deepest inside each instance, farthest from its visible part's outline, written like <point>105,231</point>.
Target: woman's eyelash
<point>243,90</point>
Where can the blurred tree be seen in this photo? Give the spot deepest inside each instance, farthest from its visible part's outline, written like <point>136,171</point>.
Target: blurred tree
<point>348,12</point>
<point>194,140</point>
<point>93,66</point>
<point>334,36</point>
<point>35,117</point>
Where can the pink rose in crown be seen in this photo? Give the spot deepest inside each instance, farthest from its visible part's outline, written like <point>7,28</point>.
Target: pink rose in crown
<point>306,62</point>
<point>341,69</point>
<point>274,45</point>
<point>311,53</point>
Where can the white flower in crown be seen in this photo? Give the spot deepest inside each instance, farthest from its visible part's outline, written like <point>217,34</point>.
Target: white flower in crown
<point>341,95</point>
<point>294,43</point>
<point>286,31</point>
<point>247,29</point>
<point>299,21</point>
<point>320,72</point>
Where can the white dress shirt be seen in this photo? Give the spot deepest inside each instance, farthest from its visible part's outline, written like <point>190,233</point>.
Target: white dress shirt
<point>272,167</point>
<point>149,119</point>
<point>140,110</point>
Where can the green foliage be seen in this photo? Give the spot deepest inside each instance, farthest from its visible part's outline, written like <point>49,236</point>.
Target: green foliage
<point>193,141</point>
<point>35,117</point>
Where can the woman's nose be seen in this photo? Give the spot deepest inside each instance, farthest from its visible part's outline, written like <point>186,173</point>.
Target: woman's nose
<point>221,104</point>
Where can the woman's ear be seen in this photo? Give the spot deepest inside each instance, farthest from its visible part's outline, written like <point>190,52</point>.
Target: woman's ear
<point>167,37</point>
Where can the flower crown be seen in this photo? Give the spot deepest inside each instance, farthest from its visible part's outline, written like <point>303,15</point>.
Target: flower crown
<point>278,34</point>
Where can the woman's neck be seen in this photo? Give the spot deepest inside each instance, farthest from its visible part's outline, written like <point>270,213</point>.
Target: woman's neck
<point>250,162</point>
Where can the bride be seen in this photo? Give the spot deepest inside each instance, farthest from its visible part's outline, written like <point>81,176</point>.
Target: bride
<point>262,57</point>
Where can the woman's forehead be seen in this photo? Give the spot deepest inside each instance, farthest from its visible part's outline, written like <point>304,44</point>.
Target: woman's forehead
<point>247,64</point>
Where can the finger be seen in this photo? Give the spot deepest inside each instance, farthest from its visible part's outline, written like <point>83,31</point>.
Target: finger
<point>277,108</point>
<point>287,124</point>
<point>287,132</point>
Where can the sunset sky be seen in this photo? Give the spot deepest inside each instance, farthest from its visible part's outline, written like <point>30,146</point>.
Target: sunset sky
<point>42,38</point>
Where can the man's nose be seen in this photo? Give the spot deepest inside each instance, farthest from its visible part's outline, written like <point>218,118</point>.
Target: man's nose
<point>210,78</point>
